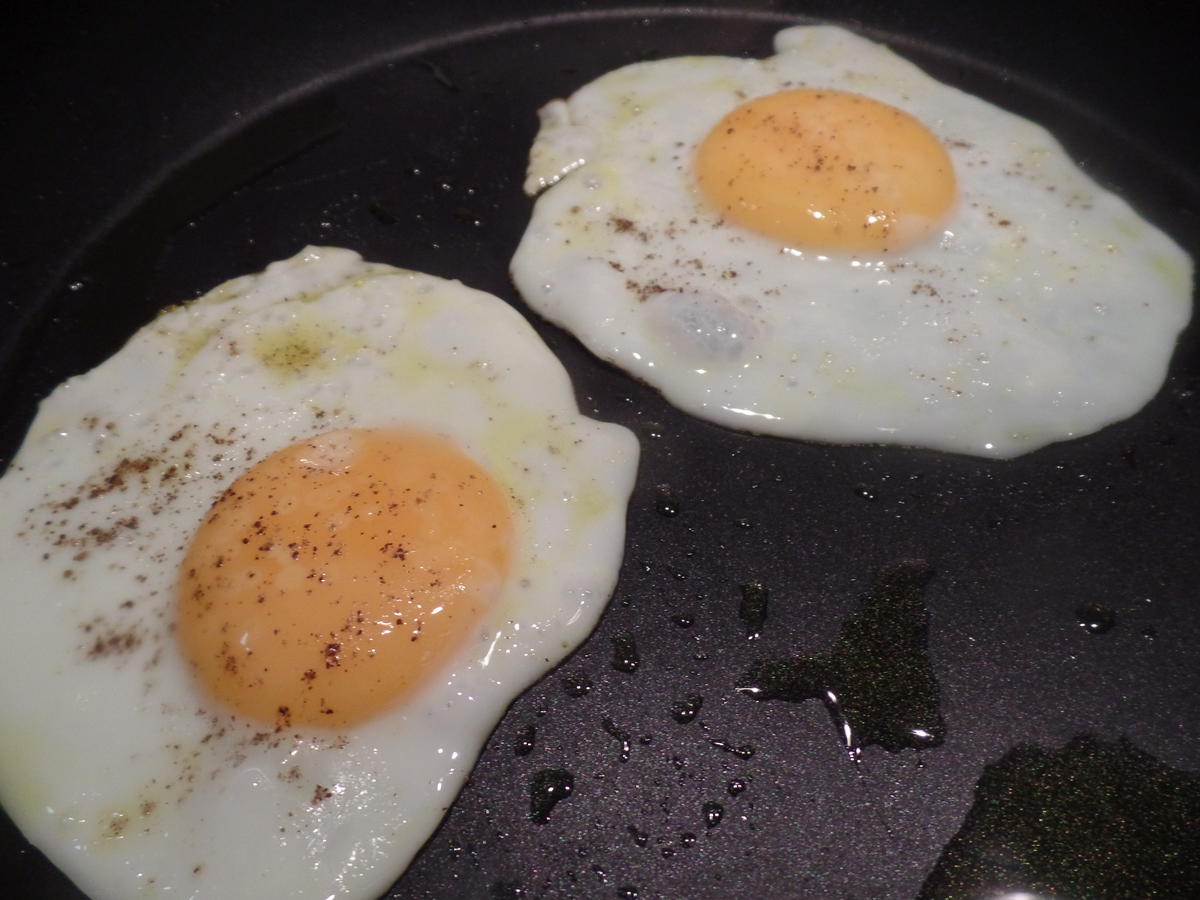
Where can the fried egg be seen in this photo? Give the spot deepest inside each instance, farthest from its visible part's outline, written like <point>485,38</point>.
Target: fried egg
<point>274,571</point>
<point>830,244</point>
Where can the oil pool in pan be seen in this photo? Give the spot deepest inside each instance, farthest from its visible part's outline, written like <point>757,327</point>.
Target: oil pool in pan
<point>739,796</point>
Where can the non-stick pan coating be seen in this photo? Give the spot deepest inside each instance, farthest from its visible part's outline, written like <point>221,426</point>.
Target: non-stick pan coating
<point>154,154</point>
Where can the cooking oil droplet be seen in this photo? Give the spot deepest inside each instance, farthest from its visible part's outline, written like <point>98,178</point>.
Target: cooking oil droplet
<point>713,813</point>
<point>1095,618</point>
<point>687,708</point>
<point>468,217</point>
<point>623,736</point>
<point>753,608</point>
<point>653,430</point>
<point>526,741</point>
<point>547,789</point>
<point>665,501</point>
<point>577,685</point>
<point>683,620</point>
<point>625,655</point>
<point>865,491</point>
<point>744,751</point>
<point>639,837</point>
<point>877,681</point>
<point>627,892</point>
<point>736,786</point>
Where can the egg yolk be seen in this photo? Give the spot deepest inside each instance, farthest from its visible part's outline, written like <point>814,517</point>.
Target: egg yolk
<point>336,575</point>
<point>827,170</point>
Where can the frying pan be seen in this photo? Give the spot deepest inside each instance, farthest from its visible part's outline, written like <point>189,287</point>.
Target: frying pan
<point>155,151</point>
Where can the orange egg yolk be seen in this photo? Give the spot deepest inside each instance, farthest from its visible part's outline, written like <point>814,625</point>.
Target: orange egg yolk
<point>827,171</point>
<point>335,576</point>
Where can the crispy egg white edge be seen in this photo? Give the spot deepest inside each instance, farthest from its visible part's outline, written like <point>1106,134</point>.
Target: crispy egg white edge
<point>460,706</point>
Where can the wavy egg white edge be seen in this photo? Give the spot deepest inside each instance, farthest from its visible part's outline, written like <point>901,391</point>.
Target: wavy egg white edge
<point>110,762</point>
<point>1047,308</point>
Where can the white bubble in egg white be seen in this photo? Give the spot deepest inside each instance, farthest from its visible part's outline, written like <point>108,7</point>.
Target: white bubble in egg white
<point>703,327</point>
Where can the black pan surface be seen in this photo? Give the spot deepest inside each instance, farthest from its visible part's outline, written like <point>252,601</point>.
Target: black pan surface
<point>154,154</point>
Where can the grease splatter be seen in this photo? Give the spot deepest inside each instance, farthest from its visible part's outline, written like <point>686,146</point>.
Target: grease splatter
<point>1093,819</point>
<point>876,681</point>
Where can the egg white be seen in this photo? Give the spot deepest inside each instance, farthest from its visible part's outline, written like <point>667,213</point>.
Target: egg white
<point>111,759</point>
<point>1045,309</point>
